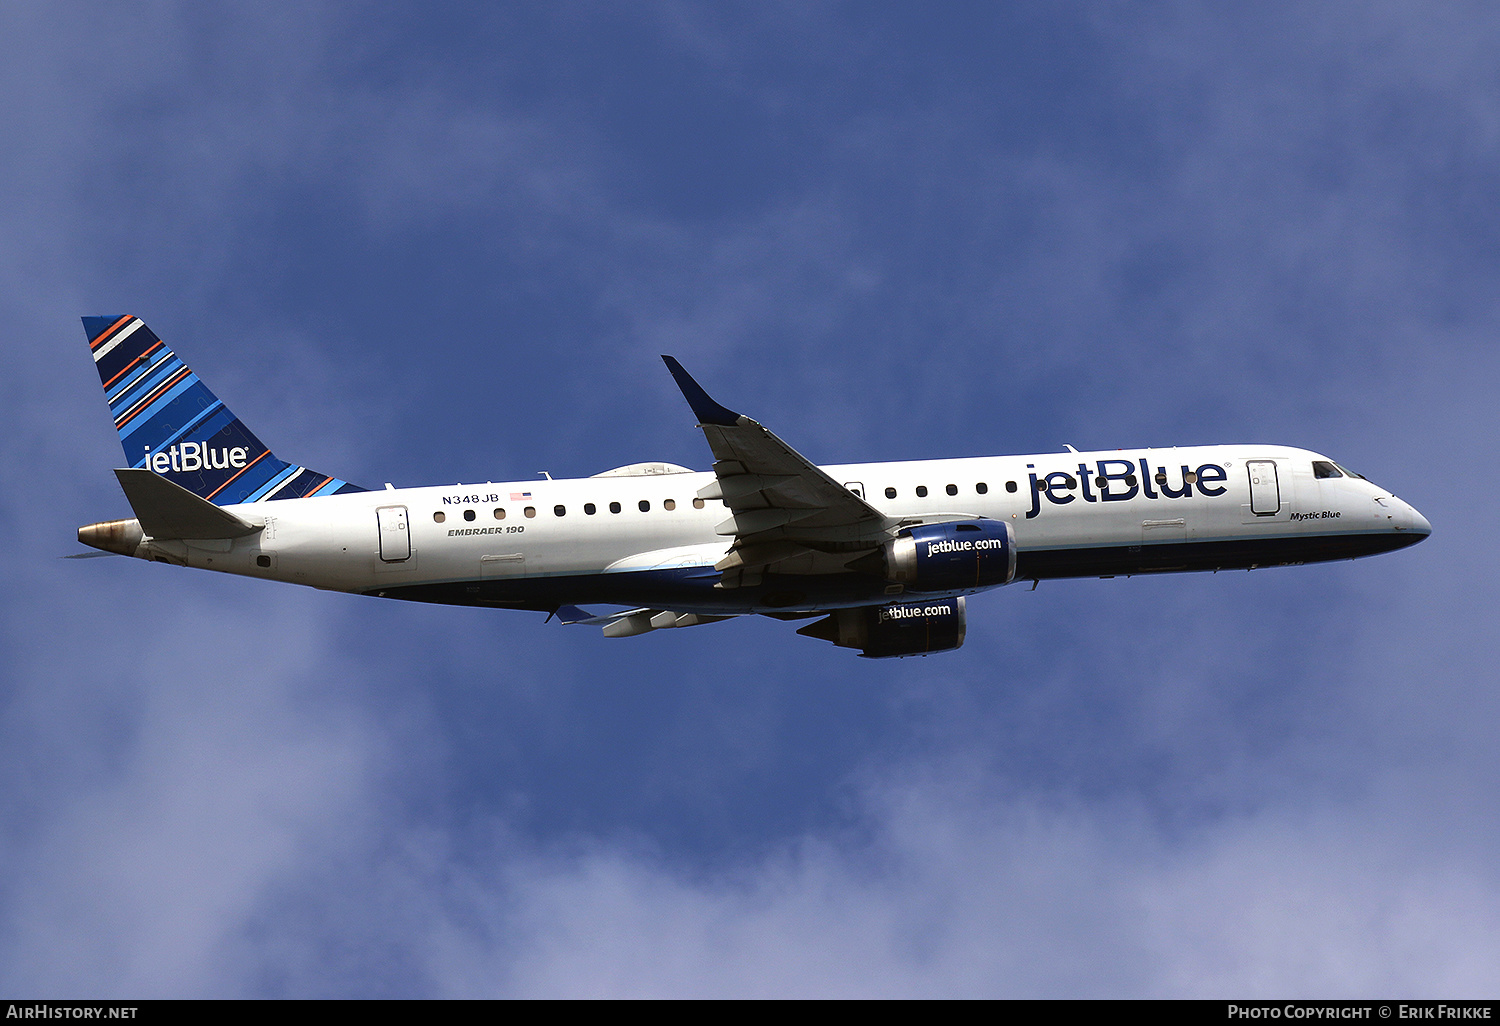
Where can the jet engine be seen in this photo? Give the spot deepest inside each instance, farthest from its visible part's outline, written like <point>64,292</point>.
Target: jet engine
<point>908,628</point>
<point>942,557</point>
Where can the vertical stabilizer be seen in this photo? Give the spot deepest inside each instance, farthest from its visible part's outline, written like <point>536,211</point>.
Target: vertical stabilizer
<point>170,423</point>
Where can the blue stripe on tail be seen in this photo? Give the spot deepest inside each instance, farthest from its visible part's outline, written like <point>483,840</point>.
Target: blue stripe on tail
<point>171,423</point>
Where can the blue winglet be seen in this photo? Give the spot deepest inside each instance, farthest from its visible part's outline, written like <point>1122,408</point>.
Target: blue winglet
<point>705,409</point>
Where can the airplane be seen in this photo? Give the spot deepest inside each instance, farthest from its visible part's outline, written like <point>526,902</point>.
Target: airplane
<point>880,556</point>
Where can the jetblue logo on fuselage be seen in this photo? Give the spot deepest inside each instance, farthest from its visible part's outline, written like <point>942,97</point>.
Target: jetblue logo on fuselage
<point>1116,481</point>
<point>193,456</point>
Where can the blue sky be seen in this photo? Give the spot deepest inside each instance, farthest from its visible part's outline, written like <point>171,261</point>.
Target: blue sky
<point>433,243</point>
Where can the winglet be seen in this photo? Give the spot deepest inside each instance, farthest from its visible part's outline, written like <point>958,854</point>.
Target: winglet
<point>705,409</point>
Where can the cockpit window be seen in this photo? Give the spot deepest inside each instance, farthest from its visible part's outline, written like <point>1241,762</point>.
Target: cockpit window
<point>1322,468</point>
<point>1349,472</point>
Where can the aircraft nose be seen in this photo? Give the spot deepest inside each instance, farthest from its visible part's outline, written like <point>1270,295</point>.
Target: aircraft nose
<point>1419,523</point>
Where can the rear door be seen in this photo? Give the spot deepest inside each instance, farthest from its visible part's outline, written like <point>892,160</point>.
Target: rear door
<point>395,538</point>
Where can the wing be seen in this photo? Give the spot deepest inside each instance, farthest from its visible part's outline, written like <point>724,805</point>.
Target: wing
<point>787,515</point>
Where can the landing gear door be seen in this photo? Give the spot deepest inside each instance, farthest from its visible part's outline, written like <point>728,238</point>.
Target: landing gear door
<point>1265,489</point>
<point>395,538</point>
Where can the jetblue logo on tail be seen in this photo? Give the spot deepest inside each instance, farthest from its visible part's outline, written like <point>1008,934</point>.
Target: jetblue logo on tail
<point>191,456</point>
<point>163,410</point>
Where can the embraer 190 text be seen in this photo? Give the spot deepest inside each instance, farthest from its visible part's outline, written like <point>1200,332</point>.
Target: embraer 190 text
<point>879,555</point>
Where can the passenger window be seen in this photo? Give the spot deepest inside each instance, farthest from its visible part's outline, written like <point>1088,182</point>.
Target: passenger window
<point>439,517</point>
<point>890,493</point>
<point>614,507</point>
<point>469,514</point>
<point>982,488</point>
<point>589,509</point>
<point>1010,486</point>
<point>530,512</point>
<point>697,503</point>
<point>559,511</point>
<point>669,504</point>
<point>645,506</point>
<point>921,491</point>
<point>952,489</point>
<point>499,513</point>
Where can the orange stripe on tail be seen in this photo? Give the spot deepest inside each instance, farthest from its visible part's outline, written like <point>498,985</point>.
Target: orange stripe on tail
<point>156,393</point>
<point>231,481</point>
<point>132,363</point>
<point>111,330</point>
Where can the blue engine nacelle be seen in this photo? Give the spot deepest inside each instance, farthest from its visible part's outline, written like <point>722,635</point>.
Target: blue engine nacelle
<point>906,628</point>
<point>943,557</point>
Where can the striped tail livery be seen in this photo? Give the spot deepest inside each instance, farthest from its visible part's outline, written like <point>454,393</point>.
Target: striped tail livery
<point>169,422</point>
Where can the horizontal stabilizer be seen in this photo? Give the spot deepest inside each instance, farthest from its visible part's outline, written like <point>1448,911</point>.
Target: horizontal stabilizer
<point>168,510</point>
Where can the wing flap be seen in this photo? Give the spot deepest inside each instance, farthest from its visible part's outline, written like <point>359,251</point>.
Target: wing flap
<point>627,623</point>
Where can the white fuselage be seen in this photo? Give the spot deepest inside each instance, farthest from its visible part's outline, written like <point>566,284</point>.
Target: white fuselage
<point>648,539</point>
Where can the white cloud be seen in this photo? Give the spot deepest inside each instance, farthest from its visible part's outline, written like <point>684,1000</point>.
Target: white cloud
<point>177,763</point>
<point>965,887</point>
